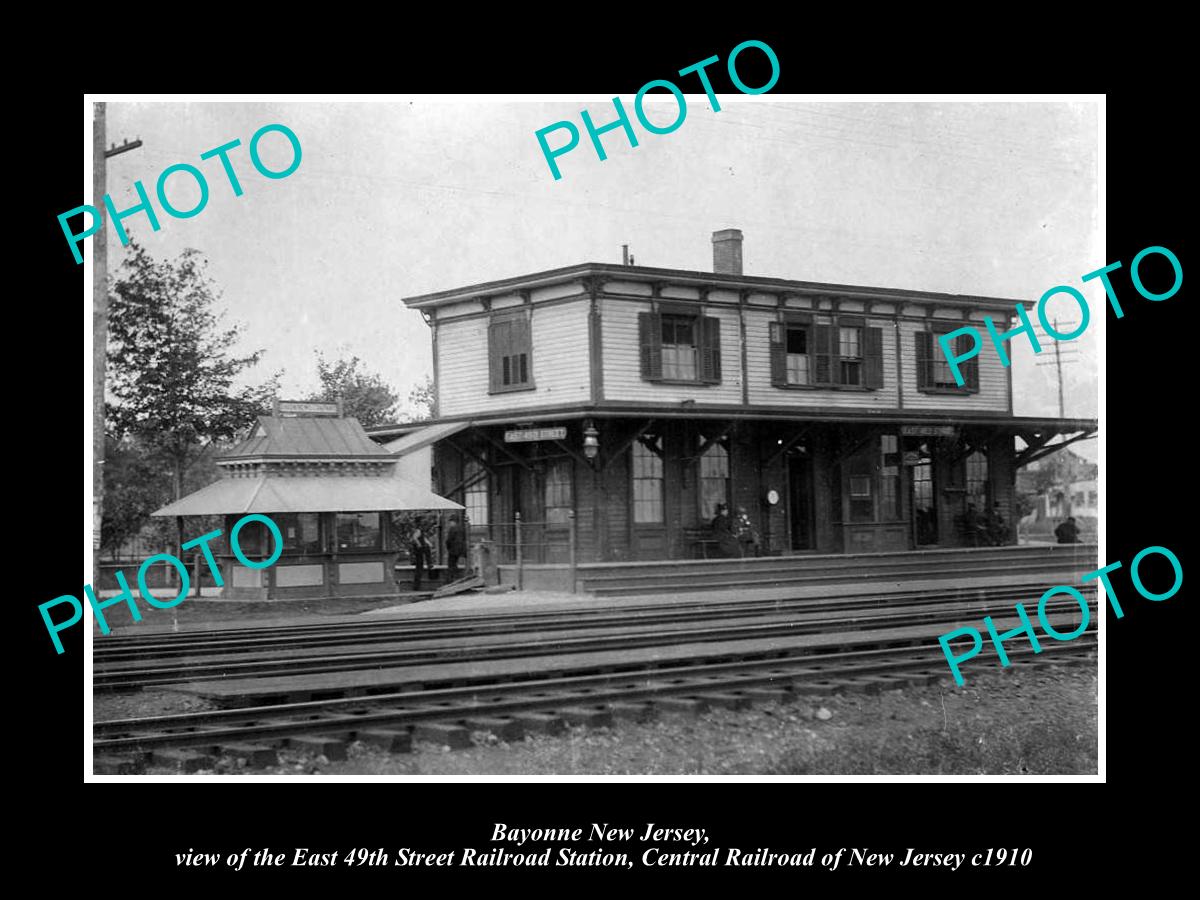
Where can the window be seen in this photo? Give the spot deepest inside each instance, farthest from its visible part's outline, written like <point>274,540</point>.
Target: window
<point>977,481</point>
<point>509,352</point>
<point>475,495</point>
<point>889,483</point>
<point>301,532</point>
<point>862,504</point>
<point>558,493</point>
<point>647,485</point>
<point>255,541</point>
<point>835,353</point>
<point>797,355</point>
<point>934,374</point>
<point>680,346</point>
<point>359,531</point>
<point>714,479</point>
<point>850,351</point>
<point>1091,498</point>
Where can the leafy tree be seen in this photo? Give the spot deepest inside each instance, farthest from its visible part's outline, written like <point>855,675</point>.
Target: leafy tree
<point>171,366</point>
<point>365,395</point>
<point>421,398</point>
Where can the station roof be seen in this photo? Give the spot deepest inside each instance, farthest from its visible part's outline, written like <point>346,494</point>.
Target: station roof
<point>312,437</point>
<point>615,409</point>
<point>268,494</point>
<point>617,272</point>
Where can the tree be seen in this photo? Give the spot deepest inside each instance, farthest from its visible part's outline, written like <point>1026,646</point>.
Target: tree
<point>171,366</point>
<point>365,395</point>
<point>421,399</point>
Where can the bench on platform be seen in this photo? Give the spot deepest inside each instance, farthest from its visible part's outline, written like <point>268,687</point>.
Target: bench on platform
<point>702,540</point>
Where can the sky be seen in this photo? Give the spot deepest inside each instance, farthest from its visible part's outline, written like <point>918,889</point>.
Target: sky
<point>417,195</point>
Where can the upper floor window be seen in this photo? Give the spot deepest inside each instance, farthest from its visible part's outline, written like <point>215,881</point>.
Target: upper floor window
<point>934,375</point>
<point>850,351</point>
<point>678,348</point>
<point>843,351</point>
<point>680,345</point>
<point>510,350</point>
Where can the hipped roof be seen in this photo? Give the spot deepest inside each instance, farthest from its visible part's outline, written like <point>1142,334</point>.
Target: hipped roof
<point>316,437</point>
<point>267,494</point>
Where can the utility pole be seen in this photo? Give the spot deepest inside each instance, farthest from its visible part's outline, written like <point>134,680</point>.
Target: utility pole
<point>100,156</point>
<point>1059,358</point>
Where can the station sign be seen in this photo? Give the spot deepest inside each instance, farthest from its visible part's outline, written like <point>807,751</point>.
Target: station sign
<point>535,434</point>
<point>306,408</point>
<point>928,430</point>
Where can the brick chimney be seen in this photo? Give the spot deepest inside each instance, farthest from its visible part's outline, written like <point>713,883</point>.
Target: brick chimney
<point>727,252</point>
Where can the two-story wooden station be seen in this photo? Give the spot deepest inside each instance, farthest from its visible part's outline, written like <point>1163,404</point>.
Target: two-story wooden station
<point>636,399</point>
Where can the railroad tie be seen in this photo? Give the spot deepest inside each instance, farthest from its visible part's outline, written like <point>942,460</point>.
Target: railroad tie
<point>504,728</point>
<point>456,737</point>
<point>253,754</point>
<point>320,744</point>
<point>186,760</point>
<point>591,716</point>
<point>393,741</point>
<point>541,723</point>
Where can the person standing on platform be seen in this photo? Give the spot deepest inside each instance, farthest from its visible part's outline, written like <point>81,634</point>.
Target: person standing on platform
<point>419,551</point>
<point>456,546</point>
<point>722,529</point>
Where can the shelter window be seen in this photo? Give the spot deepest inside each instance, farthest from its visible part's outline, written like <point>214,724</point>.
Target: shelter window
<point>359,531</point>
<point>301,532</point>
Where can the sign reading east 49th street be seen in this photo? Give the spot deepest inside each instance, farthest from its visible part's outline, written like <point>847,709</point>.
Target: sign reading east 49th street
<point>535,434</point>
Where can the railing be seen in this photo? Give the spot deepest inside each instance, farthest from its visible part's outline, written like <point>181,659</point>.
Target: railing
<point>523,542</point>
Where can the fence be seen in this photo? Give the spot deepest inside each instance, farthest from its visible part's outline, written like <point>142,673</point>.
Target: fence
<point>522,543</point>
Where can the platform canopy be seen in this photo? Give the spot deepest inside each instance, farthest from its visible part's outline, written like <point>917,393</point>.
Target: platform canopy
<point>267,494</point>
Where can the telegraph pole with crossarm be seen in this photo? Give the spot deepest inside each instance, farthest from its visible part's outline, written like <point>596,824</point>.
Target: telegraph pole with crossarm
<point>100,155</point>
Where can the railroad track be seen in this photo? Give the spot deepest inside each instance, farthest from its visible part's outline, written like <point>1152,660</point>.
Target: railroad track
<point>581,688</point>
<point>158,660</point>
<point>677,630</point>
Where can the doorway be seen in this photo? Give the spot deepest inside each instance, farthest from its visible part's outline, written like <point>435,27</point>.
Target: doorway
<point>800,507</point>
<point>922,494</point>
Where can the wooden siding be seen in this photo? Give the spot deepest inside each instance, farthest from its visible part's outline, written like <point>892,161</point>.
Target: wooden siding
<point>762,392</point>
<point>559,362</point>
<point>622,364</point>
<point>993,380</point>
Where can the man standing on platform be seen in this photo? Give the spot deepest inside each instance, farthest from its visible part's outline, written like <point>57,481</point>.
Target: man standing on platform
<point>456,546</point>
<point>419,552</point>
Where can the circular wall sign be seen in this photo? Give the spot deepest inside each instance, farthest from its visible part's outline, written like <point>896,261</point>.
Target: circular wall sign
<point>772,497</point>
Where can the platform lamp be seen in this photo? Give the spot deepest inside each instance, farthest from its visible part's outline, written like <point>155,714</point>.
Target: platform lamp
<point>591,441</point>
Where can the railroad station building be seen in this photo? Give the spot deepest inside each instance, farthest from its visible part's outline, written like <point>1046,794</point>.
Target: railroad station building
<point>625,402</point>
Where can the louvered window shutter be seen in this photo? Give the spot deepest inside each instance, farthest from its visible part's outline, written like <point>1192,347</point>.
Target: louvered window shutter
<point>873,357</point>
<point>710,349</point>
<point>650,338</point>
<point>924,345</point>
<point>778,354</point>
